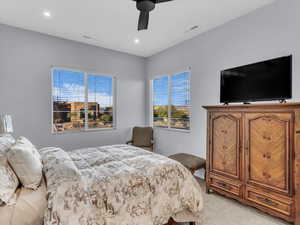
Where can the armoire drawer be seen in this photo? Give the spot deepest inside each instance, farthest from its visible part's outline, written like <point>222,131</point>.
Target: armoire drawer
<point>277,203</point>
<point>228,185</point>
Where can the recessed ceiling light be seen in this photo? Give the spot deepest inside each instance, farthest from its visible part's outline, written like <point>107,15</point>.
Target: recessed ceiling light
<point>87,37</point>
<point>47,14</point>
<point>137,41</point>
<point>192,28</point>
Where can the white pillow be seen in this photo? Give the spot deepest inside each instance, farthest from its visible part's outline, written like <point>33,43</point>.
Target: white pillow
<point>8,179</point>
<point>25,160</point>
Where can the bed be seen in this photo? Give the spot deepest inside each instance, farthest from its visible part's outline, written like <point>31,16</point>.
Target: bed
<point>117,185</point>
<point>29,207</point>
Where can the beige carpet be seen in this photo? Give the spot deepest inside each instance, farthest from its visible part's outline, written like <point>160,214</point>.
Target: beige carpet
<point>222,211</point>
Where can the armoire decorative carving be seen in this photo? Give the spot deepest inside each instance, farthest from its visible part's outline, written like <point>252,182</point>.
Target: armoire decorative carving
<point>253,156</point>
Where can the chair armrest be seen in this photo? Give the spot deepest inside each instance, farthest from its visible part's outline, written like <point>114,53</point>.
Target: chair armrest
<point>129,142</point>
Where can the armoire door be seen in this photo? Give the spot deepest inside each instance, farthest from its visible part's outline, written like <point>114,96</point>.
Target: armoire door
<point>225,144</point>
<point>268,148</point>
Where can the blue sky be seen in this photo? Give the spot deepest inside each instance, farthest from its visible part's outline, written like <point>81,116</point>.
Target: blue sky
<point>69,86</point>
<point>179,90</point>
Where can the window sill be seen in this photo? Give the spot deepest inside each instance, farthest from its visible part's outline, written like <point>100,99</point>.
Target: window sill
<point>173,130</point>
<point>85,131</point>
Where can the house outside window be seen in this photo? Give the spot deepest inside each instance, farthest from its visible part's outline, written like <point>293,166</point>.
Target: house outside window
<point>171,103</point>
<point>82,101</point>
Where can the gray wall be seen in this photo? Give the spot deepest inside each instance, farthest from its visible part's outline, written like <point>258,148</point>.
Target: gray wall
<point>26,58</point>
<point>25,86</point>
<point>269,32</point>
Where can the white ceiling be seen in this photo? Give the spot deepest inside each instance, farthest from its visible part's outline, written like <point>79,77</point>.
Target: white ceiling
<point>113,23</point>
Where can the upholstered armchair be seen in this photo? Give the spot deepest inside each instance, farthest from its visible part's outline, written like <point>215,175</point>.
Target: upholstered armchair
<point>142,137</point>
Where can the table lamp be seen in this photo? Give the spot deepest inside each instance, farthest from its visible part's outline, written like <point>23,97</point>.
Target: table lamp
<point>6,126</point>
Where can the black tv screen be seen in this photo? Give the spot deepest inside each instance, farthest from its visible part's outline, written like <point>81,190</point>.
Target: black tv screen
<point>263,81</point>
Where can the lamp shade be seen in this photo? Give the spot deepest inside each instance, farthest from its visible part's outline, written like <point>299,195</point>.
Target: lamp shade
<point>6,124</point>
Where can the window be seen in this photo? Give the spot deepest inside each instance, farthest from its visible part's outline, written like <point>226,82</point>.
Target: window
<point>81,101</point>
<point>171,101</point>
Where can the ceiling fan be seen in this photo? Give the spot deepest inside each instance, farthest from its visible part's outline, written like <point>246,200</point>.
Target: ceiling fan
<point>145,6</point>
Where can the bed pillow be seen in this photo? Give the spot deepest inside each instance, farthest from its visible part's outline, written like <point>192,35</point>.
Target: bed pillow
<point>25,160</point>
<point>8,179</point>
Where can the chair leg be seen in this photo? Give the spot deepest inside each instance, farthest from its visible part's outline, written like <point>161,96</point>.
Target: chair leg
<point>192,223</point>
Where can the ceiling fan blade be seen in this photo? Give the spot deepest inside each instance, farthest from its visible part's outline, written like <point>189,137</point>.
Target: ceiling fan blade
<point>160,1</point>
<point>143,20</point>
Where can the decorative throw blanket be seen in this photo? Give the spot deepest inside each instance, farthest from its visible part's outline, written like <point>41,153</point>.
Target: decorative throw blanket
<point>118,185</point>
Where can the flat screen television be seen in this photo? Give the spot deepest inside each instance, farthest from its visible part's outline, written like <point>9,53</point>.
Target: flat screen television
<point>263,81</point>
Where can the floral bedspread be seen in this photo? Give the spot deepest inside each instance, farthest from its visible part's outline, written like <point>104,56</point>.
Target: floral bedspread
<point>118,185</point>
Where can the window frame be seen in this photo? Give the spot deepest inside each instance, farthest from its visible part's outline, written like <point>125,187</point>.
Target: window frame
<point>169,75</point>
<point>86,73</point>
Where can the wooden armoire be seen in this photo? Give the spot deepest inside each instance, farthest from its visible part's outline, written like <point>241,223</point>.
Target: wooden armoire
<point>253,156</point>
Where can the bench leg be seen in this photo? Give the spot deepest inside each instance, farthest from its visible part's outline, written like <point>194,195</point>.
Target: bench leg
<point>206,183</point>
<point>207,190</point>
